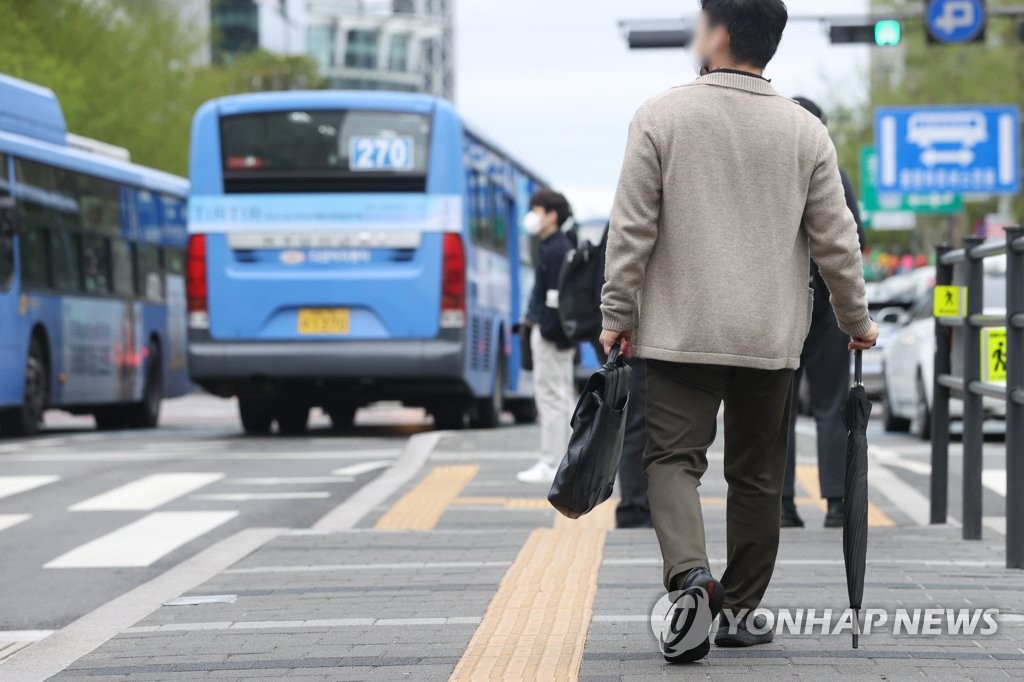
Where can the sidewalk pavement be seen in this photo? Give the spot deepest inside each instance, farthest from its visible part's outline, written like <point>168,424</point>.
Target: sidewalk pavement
<point>465,574</point>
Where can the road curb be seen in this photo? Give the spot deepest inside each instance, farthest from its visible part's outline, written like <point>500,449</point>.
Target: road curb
<point>347,514</point>
<point>50,656</point>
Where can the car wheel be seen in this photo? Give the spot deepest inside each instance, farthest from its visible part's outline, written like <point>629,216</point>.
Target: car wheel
<point>922,425</point>
<point>25,419</point>
<point>890,421</point>
<point>256,416</point>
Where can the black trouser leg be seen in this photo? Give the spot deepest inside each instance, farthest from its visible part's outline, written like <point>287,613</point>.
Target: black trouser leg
<point>826,369</point>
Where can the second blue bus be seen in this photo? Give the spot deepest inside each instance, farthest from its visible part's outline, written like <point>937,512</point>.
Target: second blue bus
<point>347,248</point>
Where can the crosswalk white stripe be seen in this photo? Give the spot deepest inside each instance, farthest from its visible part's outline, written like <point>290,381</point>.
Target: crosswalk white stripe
<point>202,456</point>
<point>8,520</point>
<point>12,485</point>
<point>294,480</point>
<point>24,635</point>
<point>147,493</point>
<point>906,497</point>
<point>362,468</point>
<point>994,480</point>
<point>262,497</point>
<point>142,542</point>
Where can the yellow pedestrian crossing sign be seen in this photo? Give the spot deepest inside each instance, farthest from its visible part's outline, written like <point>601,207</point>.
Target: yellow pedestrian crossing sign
<point>993,355</point>
<point>950,301</point>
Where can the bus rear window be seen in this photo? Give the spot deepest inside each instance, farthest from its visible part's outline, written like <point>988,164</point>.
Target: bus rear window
<point>311,147</point>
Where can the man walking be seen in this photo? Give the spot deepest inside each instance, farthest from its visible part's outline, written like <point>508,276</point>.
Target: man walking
<point>825,365</point>
<point>725,189</point>
<point>553,352</point>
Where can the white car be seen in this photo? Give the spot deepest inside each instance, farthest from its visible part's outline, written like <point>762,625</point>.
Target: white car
<point>909,358</point>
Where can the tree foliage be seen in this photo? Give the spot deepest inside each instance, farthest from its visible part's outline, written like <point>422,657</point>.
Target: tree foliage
<point>128,72</point>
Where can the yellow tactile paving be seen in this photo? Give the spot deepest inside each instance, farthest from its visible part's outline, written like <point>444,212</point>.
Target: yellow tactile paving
<point>536,626</point>
<point>422,507</point>
<point>807,477</point>
<point>504,502</point>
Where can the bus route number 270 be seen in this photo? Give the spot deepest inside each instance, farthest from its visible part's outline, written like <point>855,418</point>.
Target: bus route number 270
<point>381,154</point>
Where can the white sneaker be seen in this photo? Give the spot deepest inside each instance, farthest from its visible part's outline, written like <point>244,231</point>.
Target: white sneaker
<point>541,472</point>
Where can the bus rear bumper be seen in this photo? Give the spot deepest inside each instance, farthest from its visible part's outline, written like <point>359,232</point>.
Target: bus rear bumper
<point>377,367</point>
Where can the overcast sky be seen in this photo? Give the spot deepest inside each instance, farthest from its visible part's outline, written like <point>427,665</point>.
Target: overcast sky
<point>553,82</point>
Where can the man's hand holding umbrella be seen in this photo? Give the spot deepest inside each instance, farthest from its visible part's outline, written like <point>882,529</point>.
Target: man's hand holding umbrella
<point>866,342</point>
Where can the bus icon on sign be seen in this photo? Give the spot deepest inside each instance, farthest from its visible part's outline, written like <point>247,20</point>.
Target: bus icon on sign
<point>957,133</point>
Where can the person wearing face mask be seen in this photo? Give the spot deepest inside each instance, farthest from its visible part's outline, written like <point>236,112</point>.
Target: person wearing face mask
<point>553,352</point>
<point>726,188</point>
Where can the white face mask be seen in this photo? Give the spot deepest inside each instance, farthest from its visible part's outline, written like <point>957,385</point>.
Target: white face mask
<point>532,224</point>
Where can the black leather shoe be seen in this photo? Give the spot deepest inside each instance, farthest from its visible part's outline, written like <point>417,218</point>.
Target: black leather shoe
<point>836,512</point>
<point>697,578</point>
<point>743,637</point>
<point>790,517</point>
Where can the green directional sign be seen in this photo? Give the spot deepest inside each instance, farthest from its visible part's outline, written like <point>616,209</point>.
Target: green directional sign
<point>934,202</point>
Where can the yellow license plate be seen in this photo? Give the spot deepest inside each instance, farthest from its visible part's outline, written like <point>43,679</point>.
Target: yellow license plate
<point>322,321</point>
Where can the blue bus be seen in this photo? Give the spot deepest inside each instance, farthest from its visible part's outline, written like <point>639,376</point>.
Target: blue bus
<point>92,286</point>
<point>354,247</point>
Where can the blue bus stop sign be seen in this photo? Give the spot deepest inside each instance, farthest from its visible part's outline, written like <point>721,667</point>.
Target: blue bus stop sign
<point>963,149</point>
<point>955,21</point>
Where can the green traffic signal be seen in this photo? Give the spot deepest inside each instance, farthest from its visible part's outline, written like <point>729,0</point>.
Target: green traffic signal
<point>888,33</point>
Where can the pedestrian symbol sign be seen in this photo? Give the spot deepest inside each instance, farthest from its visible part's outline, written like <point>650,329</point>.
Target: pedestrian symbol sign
<point>994,354</point>
<point>950,301</point>
<point>962,150</point>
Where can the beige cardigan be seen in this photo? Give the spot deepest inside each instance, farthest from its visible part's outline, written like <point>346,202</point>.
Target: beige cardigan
<point>726,189</point>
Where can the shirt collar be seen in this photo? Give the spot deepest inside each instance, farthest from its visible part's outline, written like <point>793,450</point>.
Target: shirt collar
<point>739,80</point>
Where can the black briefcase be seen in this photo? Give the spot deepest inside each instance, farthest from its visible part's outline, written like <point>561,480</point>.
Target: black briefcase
<point>586,475</point>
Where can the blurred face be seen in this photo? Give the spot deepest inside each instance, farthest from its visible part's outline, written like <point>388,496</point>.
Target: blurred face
<point>710,45</point>
<point>540,222</point>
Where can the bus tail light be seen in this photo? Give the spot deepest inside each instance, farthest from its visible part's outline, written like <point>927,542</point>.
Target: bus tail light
<point>453,283</point>
<point>196,288</point>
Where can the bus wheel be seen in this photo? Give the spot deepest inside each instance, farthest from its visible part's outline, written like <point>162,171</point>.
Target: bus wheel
<point>487,414</point>
<point>449,417</point>
<point>256,416</point>
<point>292,418</point>
<point>109,419</point>
<point>25,419</point>
<point>146,415</point>
<point>343,415</point>
<point>523,411</point>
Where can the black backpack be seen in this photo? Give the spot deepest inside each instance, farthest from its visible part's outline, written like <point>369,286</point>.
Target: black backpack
<point>579,291</point>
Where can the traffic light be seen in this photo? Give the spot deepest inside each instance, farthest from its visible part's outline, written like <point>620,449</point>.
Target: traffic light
<point>885,33</point>
<point>888,33</point>
<point>657,38</point>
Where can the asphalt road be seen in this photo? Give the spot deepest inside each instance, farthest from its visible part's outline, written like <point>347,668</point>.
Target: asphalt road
<point>86,516</point>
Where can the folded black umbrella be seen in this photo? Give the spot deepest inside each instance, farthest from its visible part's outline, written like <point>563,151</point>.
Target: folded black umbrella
<point>586,475</point>
<point>855,522</point>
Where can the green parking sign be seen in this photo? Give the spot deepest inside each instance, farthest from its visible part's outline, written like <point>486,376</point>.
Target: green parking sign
<point>874,202</point>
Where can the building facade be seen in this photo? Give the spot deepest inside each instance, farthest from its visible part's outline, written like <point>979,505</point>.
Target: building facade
<point>242,26</point>
<point>403,45</point>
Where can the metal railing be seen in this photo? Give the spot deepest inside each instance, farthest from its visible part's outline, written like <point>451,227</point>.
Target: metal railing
<point>972,390</point>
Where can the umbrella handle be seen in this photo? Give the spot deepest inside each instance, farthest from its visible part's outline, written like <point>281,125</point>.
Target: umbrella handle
<point>858,368</point>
